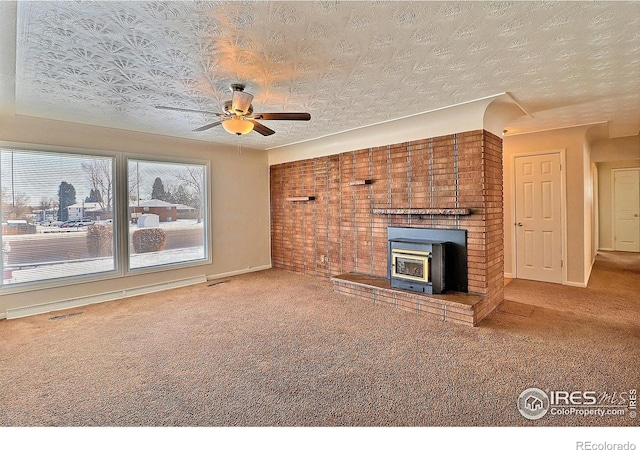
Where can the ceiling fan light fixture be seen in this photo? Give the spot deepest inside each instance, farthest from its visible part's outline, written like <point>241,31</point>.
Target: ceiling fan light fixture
<point>237,125</point>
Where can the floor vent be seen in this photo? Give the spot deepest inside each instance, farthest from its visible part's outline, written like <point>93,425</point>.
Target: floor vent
<point>65,316</point>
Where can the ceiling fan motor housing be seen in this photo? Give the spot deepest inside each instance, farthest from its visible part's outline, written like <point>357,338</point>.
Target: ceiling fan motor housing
<point>228,108</point>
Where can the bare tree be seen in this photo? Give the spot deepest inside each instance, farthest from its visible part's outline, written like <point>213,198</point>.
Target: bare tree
<point>99,173</point>
<point>134,181</point>
<point>5,201</point>
<point>18,208</point>
<point>194,178</point>
<point>46,203</point>
<point>48,208</point>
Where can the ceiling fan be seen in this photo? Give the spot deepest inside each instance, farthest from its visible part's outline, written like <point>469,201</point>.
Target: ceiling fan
<point>238,116</point>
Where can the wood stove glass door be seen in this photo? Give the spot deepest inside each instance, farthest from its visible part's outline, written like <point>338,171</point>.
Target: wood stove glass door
<point>412,265</point>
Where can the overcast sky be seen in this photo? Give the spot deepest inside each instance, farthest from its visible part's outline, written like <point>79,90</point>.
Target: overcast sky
<point>38,175</point>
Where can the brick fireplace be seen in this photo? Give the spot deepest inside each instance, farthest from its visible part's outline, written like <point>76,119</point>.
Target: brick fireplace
<point>329,217</point>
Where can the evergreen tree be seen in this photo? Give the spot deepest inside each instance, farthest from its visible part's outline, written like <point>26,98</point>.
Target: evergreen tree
<point>66,197</point>
<point>94,196</point>
<point>157,191</point>
<point>183,196</point>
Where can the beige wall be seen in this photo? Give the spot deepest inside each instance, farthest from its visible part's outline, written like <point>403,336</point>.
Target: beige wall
<point>595,225</point>
<point>605,198</point>
<point>617,149</point>
<point>576,170</point>
<point>609,154</point>
<point>239,198</point>
<point>589,210</point>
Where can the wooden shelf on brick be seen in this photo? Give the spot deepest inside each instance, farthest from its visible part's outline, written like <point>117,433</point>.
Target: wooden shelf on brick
<point>423,211</point>
<point>360,182</point>
<point>301,199</point>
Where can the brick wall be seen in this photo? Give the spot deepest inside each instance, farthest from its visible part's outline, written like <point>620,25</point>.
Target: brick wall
<point>337,233</point>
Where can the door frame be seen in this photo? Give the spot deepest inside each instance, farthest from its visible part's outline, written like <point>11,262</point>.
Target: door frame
<point>613,201</point>
<point>563,208</point>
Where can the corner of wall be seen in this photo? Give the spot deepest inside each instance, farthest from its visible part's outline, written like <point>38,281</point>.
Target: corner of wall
<point>502,110</point>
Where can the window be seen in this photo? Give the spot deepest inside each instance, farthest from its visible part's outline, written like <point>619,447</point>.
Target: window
<point>167,212</point>
<point>57,210</point>
<point>60,212</point>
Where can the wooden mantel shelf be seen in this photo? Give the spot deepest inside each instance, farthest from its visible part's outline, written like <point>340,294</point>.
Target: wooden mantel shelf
<point>423,211</point>
<point>301,199</point>
<point>361,182</point>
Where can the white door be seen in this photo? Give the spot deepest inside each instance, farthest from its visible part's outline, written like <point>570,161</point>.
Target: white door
<point>626,209</point>
<point>538,214</point>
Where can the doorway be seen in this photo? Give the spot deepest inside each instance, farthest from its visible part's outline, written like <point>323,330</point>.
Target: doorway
<point>539,223</point>
<point>626,210</point>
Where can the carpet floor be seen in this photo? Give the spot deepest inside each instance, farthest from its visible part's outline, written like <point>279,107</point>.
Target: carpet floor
<point>274,348</point>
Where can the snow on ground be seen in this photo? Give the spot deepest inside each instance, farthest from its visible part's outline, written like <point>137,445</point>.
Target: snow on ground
<point>61,269</point>
<point>99,265</point>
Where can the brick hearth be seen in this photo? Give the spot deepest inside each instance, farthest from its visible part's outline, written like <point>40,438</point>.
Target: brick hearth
<point>452,307</point>
<point>329,215</point>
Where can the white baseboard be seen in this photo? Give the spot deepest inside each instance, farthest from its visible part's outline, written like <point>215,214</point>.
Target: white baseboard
<point>238,272</point>
<point>568,283</point>
<point>587,276</point>
<point>606,249</point>
<point>99,298</point>
<point>509,275</point>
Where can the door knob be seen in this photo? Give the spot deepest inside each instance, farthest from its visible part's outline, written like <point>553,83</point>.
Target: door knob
<point>635,215</point>
<point>519,224</point>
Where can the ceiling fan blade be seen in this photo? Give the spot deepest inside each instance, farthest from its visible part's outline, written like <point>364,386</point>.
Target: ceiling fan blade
<point>241,102</point>
<point>282,116</point>
<point>209,125</point>
<point>257,126</point>
<point>170,108</point>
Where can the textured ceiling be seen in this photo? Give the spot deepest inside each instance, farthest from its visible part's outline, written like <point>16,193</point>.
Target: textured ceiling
<point>349,64</point>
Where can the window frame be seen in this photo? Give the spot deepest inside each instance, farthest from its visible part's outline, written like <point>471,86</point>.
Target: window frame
<point>120,222</point>
<point>207,260</point>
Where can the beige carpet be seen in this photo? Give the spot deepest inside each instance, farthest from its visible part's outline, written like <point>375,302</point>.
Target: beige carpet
<point>280,349</point>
